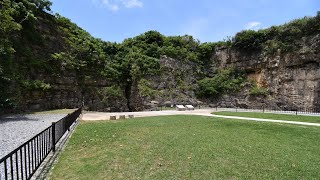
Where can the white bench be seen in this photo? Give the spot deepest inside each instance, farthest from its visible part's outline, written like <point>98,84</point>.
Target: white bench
<point>189,107</point>
<point>180,108</point>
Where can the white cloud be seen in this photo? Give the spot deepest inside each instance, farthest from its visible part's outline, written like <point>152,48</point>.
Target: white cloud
<point>253,25</point>
<point>132,3</point>
<point>115,5</point>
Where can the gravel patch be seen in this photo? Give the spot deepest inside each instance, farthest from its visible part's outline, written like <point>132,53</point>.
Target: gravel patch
<point>17,129</point>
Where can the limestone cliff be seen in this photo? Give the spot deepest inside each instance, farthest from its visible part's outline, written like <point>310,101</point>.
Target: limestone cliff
<point>291,78</point>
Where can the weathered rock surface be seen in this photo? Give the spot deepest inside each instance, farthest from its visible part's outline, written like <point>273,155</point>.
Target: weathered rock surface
<point>291,78</point>
<point>176,83</point>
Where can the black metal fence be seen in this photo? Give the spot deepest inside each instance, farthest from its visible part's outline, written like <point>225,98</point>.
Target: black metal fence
<point>285,110</point>
<point>23,162</point>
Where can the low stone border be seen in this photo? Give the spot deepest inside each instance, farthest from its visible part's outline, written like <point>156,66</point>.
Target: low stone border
<point>113,118</point>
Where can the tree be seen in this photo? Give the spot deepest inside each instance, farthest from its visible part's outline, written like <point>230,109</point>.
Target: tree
<point>8,26</point>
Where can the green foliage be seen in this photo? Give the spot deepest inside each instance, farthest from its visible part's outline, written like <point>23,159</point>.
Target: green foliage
<point>146,90</point>
<point>205,51</point>
<point>86,54</point>
<point>125,68</point>
<point>276,38</point>
<point>111,95</point>
<point>42,4</point>
<point>225,81</point>
<point>141,65</point>
<point>8,26</point>
<point>16,18</point>
<point>112,91</point>
<point>6,104</point>
<point>186,48</point>
<point>272,47</point>
<point>181,47</point>
<point>257,91</point>
<point>36,85</point>
<point>249,40</point>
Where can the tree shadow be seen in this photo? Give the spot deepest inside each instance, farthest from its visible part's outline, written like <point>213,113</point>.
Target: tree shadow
<point>18,117</point>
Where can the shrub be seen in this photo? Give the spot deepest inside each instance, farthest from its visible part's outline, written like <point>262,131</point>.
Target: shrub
<point>272,46</point>
<point>146,90</point>
<point>112,91</point>
<point>6,104</point>
<point>282,37</point>
<point>249,40</point>
<point>256,91</point>
<point>111,95</point>
<point>36,85</point>
<point>226,81</point>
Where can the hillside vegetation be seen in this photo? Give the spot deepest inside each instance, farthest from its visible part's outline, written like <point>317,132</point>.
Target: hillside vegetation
<point>36,47</point>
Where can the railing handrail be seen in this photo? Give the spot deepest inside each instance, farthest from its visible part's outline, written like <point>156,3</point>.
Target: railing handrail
<point>297,111</point>
<point>15,150</point>
<point>18,148</point>
<point>40,154</point>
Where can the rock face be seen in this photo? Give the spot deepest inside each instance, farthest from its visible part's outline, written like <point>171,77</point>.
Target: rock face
<point>66,91</point>
<point>292,78</point>
<point>175,84</point>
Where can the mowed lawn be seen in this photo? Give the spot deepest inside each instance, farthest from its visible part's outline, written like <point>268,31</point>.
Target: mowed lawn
<point>56,111</point>
<point>287,117</point>
<point>190,147</point>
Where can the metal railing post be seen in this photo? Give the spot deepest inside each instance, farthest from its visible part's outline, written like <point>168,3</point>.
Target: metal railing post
<point>65,122</point>
<point>23,162</point>
<point>53,136</point>
<point>68,127</point>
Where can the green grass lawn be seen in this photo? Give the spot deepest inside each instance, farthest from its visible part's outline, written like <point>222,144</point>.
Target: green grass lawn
<point>55,111</point>
<point>190,147</point>
<point>167,108</point>
<point>288,117</point>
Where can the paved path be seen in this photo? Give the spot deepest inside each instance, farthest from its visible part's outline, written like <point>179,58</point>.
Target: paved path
<point>97,116</point>
<point>267,120</point>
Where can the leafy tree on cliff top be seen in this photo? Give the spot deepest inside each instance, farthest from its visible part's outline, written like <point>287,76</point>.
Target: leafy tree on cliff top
<point>284,37</point>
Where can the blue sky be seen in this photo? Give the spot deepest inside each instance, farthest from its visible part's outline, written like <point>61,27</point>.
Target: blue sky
<point>206,20</point>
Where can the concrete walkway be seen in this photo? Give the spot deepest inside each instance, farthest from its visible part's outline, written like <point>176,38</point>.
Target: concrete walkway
<point>266,120</point>
<point>98,116</point>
